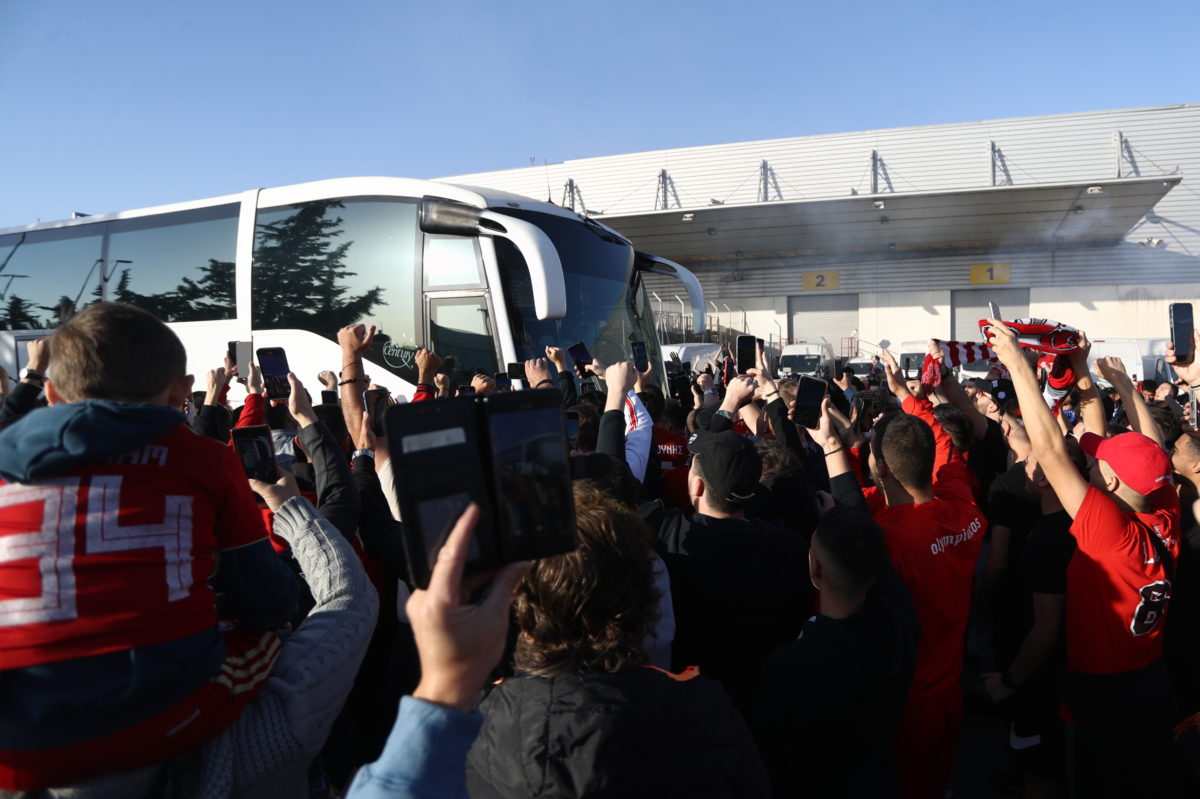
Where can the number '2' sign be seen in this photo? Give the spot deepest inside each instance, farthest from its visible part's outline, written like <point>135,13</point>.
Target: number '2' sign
<point>821,281</point>
<point>53,545</point>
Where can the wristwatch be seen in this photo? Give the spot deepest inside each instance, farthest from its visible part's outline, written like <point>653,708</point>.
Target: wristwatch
<point>370,453</point>
<point>29,374</point>
<point>725,413</point>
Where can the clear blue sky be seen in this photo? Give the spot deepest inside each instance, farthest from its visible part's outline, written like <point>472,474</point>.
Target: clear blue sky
<point>128,103</point>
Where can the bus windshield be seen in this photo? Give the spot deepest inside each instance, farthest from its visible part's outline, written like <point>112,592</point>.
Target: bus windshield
<point>607,307</point>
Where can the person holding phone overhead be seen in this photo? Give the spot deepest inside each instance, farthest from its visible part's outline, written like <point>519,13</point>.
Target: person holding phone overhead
<point>934,531</point>
<point>740,587</point>
<point>116,656</point>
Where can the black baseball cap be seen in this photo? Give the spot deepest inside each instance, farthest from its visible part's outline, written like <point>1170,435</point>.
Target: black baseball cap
<point>1000,389</point>
<point>731,465</point>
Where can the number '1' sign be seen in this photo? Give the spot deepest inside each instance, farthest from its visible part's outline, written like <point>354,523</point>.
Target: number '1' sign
<point>991,273</point>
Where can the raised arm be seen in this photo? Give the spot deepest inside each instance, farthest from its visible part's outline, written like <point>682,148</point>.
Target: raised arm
<point>1091,409</point>
<point>1112,370</point>
<point>1044,436</point>
<point>337,495</point>
<point>895,377</point>
<point>950,391</point>
<point>355,340</point>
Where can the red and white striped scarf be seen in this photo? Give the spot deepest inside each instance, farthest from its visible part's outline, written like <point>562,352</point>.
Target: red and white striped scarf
<point>1043,335</point>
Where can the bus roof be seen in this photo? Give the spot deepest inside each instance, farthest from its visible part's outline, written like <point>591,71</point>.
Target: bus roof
<point>476,196</point>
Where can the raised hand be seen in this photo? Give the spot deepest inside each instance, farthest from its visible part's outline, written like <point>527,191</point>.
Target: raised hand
<point>1004,343</point>
<point>277,493</point>
<point>537,371</point>
<point>299,404</point>
<point>356,339</point>
<point>483,384</point>
<point>558,357</point>
<point>1188,372</point>
<point>459,643</point>
<point>621,377</point>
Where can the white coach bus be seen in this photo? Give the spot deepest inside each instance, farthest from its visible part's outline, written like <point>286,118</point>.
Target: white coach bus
<point>485,277</point>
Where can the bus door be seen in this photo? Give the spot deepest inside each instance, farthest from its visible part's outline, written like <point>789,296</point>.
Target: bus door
<point>461,330</point>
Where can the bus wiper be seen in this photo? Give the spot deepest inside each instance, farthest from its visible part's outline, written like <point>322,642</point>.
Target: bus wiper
<point>601,232</point>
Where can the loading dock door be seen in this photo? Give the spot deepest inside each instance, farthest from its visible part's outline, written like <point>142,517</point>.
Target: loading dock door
<point>830,316</point>
<point>968,306</point>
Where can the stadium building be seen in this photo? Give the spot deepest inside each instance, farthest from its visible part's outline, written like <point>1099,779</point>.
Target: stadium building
<point>1092,219</point>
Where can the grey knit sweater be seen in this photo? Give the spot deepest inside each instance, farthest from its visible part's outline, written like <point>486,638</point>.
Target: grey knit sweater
<point>266,753</point>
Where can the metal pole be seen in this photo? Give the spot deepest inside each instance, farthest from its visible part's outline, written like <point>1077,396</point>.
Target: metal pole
<point>779,327</point>
<point>745,329</point>
<point>717,316</point>
<point>659,322</point>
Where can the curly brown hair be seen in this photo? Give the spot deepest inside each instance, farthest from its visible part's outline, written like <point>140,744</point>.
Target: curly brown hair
<point>589,610</point>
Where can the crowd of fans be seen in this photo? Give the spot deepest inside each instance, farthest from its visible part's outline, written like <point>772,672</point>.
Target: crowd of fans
<point>753,607</point>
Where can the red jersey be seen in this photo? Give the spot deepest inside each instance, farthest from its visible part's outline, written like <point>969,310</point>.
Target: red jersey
<point>671,449</point>
<point>1117,586</point>
<point>935,547</point>
<point>117,555</point>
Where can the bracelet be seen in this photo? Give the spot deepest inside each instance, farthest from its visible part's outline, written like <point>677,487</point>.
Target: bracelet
<point>839,449</point>
<point>370,453</point>
<point>772,394</point>
<point>353,380</point>
<point>724,413</point>
<point>546,382</point>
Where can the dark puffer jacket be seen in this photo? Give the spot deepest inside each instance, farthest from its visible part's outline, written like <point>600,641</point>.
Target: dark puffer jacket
<point>638,733</point>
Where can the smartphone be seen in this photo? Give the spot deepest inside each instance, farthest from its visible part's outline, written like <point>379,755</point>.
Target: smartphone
<point>464,390</point>
<point>747,354</point>
<point>572,421</point>
<point>239,354</point>
<point>581,356</point>
<point>505,452</point>
<point>1182,327</point>
<point>809,394</point>
<point>329,397</point>
<point>640,361</point>
<point>503,381</point>
<point>435,449</point>
<point>376,402</point>
<point>994,310</point>
<point>256,448</point>
<point>516,371</point>
<point>531,474</point>
<point>274,365</point>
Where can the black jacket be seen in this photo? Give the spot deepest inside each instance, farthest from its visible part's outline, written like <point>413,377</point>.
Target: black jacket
<point>740,589</point>
<point>829,703</point>
<point>637,733</point>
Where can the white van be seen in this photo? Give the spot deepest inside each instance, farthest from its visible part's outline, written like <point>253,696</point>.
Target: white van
<point>812,358</point>
<point>911,357</point>
<point>1129,350</point>
<point>695,353</point>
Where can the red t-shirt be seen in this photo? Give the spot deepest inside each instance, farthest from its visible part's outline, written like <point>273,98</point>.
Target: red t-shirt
<point>117,555</point>
<point>935,546</point>
<point>1117,587</point>
<point>671,449</point>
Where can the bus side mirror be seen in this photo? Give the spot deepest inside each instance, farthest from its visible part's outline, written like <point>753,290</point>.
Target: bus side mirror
<point>438,215</point>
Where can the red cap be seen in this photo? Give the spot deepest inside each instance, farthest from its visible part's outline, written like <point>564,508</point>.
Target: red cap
<point>1138,461</point>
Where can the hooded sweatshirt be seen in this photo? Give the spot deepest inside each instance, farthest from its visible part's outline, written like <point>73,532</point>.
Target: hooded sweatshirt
<point>112,516</point>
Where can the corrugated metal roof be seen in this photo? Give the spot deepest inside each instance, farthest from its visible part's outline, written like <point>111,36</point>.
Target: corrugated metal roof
<point>1087,212</point>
